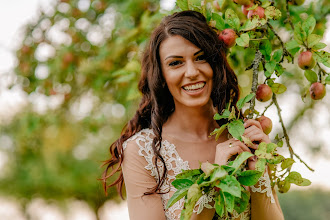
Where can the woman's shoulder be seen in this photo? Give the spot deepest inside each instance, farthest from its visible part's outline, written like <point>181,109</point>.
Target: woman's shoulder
<point>141,139</point>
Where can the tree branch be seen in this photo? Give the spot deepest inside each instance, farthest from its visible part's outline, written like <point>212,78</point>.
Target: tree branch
<point>255,64</point>
<point>286,136</point>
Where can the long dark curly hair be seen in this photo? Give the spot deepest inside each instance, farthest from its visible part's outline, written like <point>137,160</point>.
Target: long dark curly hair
<point>157,102</point>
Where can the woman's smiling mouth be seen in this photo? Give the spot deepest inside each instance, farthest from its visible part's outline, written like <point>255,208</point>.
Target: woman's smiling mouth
<point>194,87</point>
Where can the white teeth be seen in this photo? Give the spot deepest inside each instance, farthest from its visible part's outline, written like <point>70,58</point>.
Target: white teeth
<point>194,86</point>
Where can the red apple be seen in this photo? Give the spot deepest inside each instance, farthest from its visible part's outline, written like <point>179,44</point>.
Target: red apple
<point>317,91</point>
<point>228,36</point>
<point>242,2</point>
<point>245,8</point>
<point>306,60</point>
<point>266,124</point>
<point>264,93</point>
<point>259,11</point>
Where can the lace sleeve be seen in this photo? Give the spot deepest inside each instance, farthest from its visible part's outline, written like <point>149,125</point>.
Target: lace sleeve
<point>139,180</point>
<point>263,186</point>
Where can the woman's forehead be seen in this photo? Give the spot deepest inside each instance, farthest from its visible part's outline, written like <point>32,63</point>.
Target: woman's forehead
<point>176,45</point>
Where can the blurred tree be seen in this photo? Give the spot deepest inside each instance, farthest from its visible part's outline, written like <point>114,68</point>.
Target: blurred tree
<point>79,63</point>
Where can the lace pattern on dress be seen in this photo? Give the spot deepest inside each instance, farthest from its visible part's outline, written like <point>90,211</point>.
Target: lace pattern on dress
<point>175,165</point>
<point>264,186</point>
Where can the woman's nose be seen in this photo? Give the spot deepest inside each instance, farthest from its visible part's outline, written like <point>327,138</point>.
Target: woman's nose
<point>191,70</point>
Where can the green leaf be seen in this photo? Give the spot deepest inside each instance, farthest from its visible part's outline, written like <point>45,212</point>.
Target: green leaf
<point>277,56</point>
<point>313,39</point>
<point>219,204</point>
<point>220,23</point>
<point>311,76</point>
<point>236,129</point>
<point>287,163</point>
<point>292,44</point>
<point>271,147</point>
<point>177,196</point>
<point>327,80</point>
<point>229,201</point>
<point>309,25</point>
<point>194,193</point>
<point>319,46</point>
<point>239,160</point>
<point>267,74</point>
<point>243,40</point>
<point>207,168</point>
<point>279,69</point>
<point>232,19</point>
<point>250,24</point>
<point>195,3</point>
<point>218,173</point>
<point>182,183</point>
<point>183,4</point>
<point>225,114</point>
<point>266,48</point>
<point>278,88</point>
<point>276,160</point>
<point>295,177</point>
<point>298,34</point>
<point>261,165</point>
<point>230,185</point>
<point>270,66</point>
<point>218,131</point>
<point>322,57</point>
<point>265,4</point>
<point>187,174</point>
<point>232,113</point>
<point>242,203</point>
<point>244,100</point>
<point>249,177</point>
<point>272,13</point>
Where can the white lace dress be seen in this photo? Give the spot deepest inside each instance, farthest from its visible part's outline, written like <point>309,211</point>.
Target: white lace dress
<point>175,165</point>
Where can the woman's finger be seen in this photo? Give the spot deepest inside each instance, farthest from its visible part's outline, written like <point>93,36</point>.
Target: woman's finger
<point>251,122</point>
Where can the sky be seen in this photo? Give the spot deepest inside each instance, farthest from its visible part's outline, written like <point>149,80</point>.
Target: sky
<point>15,13</point>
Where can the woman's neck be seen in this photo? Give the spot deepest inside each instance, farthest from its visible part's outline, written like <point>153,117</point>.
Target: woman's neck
<point>195,123</point>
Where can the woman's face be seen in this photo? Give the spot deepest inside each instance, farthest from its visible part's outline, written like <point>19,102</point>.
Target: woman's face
<point>187,74</point>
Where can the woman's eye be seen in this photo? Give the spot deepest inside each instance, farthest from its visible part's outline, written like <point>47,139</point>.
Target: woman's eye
<point>201,57</point>
<point>174,63</point>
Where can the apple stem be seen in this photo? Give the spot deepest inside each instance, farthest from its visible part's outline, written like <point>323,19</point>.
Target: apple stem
<point>285,133</point>
<point>255,63</point>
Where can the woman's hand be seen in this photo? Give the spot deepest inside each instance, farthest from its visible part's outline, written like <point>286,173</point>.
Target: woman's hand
<point>227,149</point>
<point>253,131</point>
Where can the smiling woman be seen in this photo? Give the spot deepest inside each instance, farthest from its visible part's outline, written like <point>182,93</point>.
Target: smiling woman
<point>185,80</point>
<point>187,74</point>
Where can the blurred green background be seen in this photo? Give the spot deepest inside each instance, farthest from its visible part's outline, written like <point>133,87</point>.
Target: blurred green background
<point>78,65</point>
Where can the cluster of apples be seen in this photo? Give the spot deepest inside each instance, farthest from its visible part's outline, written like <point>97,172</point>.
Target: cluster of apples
<point>228,36</point>
<point>306,62</point>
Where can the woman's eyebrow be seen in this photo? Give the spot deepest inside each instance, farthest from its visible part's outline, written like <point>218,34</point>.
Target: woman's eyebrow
<point>200,51</point>
<point>173,56</point>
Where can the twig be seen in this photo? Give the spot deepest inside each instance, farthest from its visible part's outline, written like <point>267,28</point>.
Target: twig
<point>285,51</point>
<point>288,15</point>
<point>286,136</point>
<point>267,107</point>
<point>255,63</point>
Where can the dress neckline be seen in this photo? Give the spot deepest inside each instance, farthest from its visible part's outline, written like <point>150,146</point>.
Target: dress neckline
<point>166,142</point>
